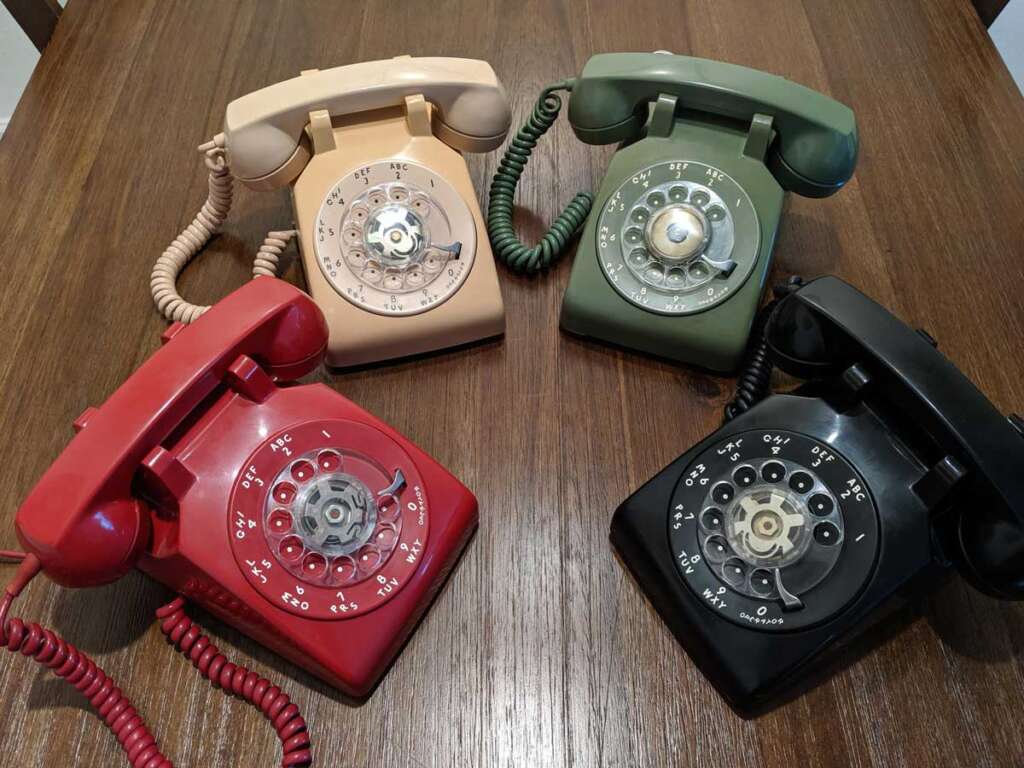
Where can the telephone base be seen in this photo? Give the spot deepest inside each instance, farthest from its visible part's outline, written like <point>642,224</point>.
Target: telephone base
<point>432,283</point>
<point>400,339</point>
<point>755,651</point>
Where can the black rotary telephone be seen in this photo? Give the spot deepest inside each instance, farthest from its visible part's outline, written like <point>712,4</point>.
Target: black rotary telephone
<point>807,516</point>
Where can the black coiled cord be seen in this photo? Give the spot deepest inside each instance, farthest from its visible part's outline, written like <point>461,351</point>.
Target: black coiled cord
<point>507,247</point>
<point>755,378</point>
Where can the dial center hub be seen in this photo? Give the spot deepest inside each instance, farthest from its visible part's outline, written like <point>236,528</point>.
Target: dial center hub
<point>396,235</point>
<point>678,233</point>
<point>767,527</point>
<point>767,524</point>
<point>337,514</point>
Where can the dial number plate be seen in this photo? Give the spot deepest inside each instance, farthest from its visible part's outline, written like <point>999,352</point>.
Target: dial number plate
<point>394,238</point>
<point>678,238</point>
<point>328,519</point>
<point>773,530</point>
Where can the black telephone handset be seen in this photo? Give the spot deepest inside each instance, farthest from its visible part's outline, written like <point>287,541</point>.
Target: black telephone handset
<point>828,325</point>
<point>809,515</point>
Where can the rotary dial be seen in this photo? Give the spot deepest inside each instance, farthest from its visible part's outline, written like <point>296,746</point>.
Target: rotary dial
<point>770,524</point>
<point>395,238</point>
<point>329,519</point>
<point>678,237</point>
<point>325,525</point>
<point>773,529</point>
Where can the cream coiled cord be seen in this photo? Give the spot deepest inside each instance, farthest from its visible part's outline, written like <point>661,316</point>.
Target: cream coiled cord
<point>163,281</point>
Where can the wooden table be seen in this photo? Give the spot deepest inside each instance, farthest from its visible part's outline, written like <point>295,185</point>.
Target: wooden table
<point>540,651</point>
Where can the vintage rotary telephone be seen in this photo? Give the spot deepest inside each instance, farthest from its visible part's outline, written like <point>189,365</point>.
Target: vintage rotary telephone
<point>674,261</point>
<point>392,239</point>
<point>286,511</point>
<point>771,543</point>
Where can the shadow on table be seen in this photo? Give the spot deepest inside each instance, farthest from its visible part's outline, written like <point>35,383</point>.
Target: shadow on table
<point>106,620</point>
<point>974,625</point>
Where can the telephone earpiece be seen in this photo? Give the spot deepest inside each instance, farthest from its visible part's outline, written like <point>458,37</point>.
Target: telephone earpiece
<point>785,159</point>
<point>992,549</point>
<point>801,342</point>
<point>294,342</point>
<point>99,547</point>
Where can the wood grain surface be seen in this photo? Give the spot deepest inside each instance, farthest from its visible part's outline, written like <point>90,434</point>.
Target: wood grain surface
<point>540,651</point>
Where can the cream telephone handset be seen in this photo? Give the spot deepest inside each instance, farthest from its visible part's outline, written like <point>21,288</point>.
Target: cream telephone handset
<point>391,236</point>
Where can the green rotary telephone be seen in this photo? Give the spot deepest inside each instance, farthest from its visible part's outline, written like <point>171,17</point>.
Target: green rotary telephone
<point>674,258</point>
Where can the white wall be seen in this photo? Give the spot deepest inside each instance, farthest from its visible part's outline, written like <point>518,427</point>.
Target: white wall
<point>1007,33</point>
<point>17,58</point>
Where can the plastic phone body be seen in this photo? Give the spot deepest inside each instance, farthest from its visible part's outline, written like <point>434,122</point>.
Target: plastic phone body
<point>800,523</point>
<point>673,258</point>
<point>392,239</point>
<point>285,510</point>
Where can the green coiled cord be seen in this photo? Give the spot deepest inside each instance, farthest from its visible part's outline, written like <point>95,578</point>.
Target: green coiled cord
<point>507,247</point>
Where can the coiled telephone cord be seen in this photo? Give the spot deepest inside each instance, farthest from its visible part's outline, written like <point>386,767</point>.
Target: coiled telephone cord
<point>164,279</point>
<point>138,743</point>
<point>507,247</point>
<point>755,377</point>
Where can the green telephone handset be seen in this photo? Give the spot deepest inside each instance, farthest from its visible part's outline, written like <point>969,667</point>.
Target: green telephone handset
<point>674,258</point>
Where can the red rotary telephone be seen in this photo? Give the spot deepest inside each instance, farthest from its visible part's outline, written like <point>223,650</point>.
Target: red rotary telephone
<point>286,511</point>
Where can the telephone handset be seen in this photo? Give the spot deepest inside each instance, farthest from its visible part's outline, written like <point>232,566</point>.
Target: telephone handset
<point>284,510</point>
<point>391,236</point>
<point>815,148</point>
<point>808,516</point>
<point>675,257</point>
<point>265,132</point>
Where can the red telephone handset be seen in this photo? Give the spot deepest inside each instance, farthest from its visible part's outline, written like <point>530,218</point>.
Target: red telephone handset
<point>98,529</point>
<point>287,511</point>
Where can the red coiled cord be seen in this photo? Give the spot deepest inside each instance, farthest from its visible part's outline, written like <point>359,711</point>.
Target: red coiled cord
<point>258,691</point>
<point>67,662</point>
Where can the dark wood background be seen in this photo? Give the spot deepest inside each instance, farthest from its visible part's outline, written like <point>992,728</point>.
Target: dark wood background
<point>540,651</point>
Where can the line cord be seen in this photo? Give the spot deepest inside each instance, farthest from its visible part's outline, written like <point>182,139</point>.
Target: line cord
<point>65,661</point>
<point>205,224</point>
<point>755,377</point>
<point>552,246</point>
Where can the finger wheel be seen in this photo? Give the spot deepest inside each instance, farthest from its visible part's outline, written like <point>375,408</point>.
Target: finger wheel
<point>773,529</point>
<point>678,237</point>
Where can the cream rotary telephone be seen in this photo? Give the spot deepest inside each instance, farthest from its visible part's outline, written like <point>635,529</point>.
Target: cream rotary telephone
<point>389,228</point>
